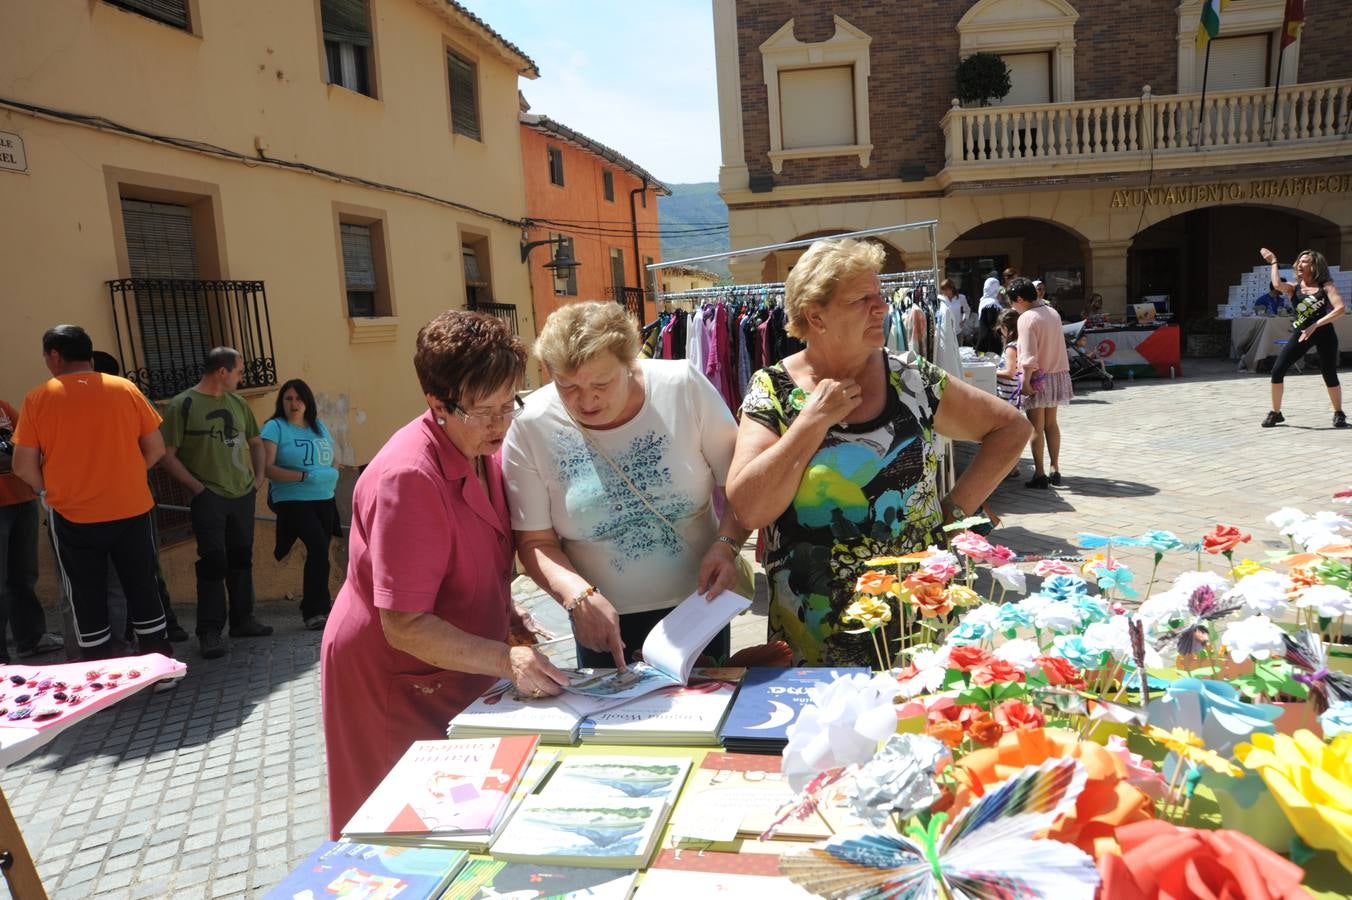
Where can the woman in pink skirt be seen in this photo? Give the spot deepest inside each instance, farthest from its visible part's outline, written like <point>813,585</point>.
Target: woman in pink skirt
<point>1046,375</point>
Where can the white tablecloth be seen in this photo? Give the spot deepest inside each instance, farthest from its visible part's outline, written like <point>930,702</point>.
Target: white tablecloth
<point>1254,338</point>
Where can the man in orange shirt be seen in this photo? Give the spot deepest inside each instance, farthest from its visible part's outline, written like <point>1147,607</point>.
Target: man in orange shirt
<point>84,443</point>
<point>19,606</point>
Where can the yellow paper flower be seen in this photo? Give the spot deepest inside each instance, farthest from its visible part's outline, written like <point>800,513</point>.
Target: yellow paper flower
<point>1212,760</point>
<point>1180,740</point>
<point>870,612</point>
<point>1312,782</point>
<point>1246,567</point>
<point>961,595</point>
<point>909,558</point>
<point>1089,565</point>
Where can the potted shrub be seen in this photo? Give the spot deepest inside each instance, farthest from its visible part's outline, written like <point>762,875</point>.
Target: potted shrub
<point>982,77</point>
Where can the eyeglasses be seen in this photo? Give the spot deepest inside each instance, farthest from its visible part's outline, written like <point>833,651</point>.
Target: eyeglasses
<point>482,419</point>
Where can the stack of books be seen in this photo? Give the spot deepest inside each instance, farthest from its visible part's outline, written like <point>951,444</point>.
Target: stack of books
<point>595,811</point>
<point>456,794</point>
<point>499,711</point>
<point>673,716</point>
<point>768,702</point>
<point>346,869</point>
<point>492,878</point>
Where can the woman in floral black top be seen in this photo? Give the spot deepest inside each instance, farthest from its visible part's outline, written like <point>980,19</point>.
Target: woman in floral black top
<point>835,453</point>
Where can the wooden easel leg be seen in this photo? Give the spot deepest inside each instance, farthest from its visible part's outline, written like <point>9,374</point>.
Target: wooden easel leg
<point>15,861</point>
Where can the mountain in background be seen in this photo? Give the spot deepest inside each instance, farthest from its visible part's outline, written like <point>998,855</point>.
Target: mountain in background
<point>693,206</point>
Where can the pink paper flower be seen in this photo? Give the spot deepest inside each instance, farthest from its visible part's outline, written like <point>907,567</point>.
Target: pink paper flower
<point>1140,773</point>
<point>972,545</point>
<point>1049,567</point>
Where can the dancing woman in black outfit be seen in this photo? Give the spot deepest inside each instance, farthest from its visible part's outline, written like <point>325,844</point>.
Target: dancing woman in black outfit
<point>1317,304</point>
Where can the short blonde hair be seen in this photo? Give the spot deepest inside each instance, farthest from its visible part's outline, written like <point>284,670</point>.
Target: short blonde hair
<point>820,271</point>
<point>577,333</point>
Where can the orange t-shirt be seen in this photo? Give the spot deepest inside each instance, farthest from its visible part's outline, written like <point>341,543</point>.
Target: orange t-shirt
<point>12,489</point>
<point>87,426</point>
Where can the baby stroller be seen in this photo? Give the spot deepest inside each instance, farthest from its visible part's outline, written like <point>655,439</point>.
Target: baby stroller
<point>1084,363</point>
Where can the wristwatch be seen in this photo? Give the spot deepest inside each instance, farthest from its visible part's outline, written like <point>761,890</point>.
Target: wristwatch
<point>957,513</point>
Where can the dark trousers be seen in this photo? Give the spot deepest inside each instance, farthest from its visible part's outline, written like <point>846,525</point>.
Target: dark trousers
<point>83,552</point>
<point>20,609</point>
<point>313,522</point>
<point>634,628</point>
<point>224,529</point>
<point>1324,340</point>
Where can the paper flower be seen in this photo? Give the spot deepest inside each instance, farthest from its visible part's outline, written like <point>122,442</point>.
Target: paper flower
<point>969,633</point>
<point>1109,637</point>
<point>1224,539</point>
<point>971,545</point>
<point>1020,653</point>
<point>926,594</point>
<point>1012,616</point>
<point>1334,572</point>
<point>1046,567</point>
<point>1072,649</point>
<point>1263,592</point>
<point>1286,519</point>
<point>1140,772</point>
<point>1060,672</point>
<point>999,556</point>
<point>1064,587</point>
<point>1312,782</point>
<point>1108,800</point>
<point>1326,600</point>
<point>1091,609</point>
<point>871,613</point>
<point>899,780</point>
<point>841,724</point>
<point>1060,617</point>
<point>1010,578</point>
<point>940,572</point>
<point>925,674</point>
<point>1117,579</point>
<point>961,595</point>
<point>965,659</point>
<point>875,584</point>
<point>1305,652</point>
<point>1256,637</point>
<point>1160,541</point>
<point>1245,568</point>
<point>1212,709</point>
<point>1191,580</point>
<point>997,671</point>
<point>1336,720</point>
<point>1194,633</point>
<point>1160,859</point>
<point>1013,714</point>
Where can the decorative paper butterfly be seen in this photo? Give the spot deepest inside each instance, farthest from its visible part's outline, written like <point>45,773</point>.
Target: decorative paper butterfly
<point>988,852</point>
<point>1305,651</point>
<point>1204,607</point>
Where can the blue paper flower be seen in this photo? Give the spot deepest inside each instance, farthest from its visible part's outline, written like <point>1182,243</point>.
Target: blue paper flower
<point>1064,587</point>
<point>969,633</point>
<point>1090,541</point>
<point>1161,541</point>
<point>1118,579</point>
<point>1091,609</point>
<point>1011,616</point>
<point>1073,649</point>
<point>1337,719</point>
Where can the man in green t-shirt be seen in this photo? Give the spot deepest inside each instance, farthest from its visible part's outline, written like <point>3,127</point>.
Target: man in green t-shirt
<point>212,448</point>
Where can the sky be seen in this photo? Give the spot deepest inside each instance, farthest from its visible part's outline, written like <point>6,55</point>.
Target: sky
<point>636,76</point>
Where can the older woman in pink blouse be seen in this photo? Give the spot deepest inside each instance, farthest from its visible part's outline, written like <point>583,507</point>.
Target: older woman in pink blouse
<point>420,627</point>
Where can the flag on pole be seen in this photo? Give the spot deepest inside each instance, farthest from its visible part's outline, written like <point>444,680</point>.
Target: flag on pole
<point>1292,22</point>
<point>1210,26</point>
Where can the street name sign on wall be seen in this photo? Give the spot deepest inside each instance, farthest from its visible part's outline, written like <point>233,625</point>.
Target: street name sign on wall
<point>12,155</point>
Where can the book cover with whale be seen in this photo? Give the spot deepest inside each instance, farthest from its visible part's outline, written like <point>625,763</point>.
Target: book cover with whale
<point>768,701</point>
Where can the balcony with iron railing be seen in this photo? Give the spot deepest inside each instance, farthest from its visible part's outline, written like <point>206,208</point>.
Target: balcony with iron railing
<point>1168,131</point>
<point>165,326</point>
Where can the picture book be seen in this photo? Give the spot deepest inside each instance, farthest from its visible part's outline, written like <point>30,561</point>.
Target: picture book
<point>582,831</point>
<point>370,872</point>
<point>768,701</point>
<point>688,715</point>
<point>618,777</point>
<point>493,879</point>
<point>447,789</point>
<point>669,652</point>
<point>500,711</point>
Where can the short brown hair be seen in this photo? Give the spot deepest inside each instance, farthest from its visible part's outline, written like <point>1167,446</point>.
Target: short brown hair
<point>1009,273</point>
<point>948,285</point>
<point>576,333</point>
<point>467,355</point>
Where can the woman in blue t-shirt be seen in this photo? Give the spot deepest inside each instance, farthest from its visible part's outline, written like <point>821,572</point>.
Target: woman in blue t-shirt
<point>303,477</point>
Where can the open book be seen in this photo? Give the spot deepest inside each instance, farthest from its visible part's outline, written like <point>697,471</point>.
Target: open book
<point>669,652</point>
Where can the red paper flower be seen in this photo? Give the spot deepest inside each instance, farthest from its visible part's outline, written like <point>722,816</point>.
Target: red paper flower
<point>1014,714</point>
<point>1160,859</point>
<point>1224,539</point>
<point>985,730</point>
<point>949,732</point>
<point>965,659</point>
<point>997,671</point>
<point>1059,672</point>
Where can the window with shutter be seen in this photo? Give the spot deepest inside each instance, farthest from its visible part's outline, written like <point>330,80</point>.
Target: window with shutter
<point>1237,62</point>
<point>347,44</point>
<point>359,270</point>
<point>565,280</point>
<point>617,270</point>
<point>174,326</point>
<point>170,12</point>
<point>555,166</point>
<point>464,80</point>
<point>608,185</point>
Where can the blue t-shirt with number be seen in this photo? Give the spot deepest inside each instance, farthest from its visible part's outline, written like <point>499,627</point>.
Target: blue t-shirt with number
<point>302,450</point>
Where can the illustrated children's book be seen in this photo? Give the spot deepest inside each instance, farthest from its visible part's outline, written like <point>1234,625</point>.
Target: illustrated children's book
<point>370,872</point>
<point>493,879</point>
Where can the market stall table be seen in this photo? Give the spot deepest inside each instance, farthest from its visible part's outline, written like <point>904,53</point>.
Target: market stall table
<point>1256,339</point>
<point>1137,350</point>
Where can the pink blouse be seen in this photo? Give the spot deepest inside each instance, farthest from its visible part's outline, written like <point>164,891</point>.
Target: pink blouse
<point>1042,344</point>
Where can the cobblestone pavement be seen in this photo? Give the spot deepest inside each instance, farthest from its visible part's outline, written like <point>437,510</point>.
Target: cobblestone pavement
<point>216,788</point>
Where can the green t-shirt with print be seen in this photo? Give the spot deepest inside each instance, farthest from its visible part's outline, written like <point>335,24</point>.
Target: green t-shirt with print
<point>211,436</point>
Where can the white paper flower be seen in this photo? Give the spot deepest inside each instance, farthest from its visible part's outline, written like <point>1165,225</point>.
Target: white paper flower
<point>1111,637</point>
<point>842,724</point>
<point>1256,637</point>
<point>1020,653</point>
<point>940,558</point>
<point>1286,518</point>
<point>1010,578</point>
<point>1060,617</point>
<point>1326,600</point>
<point>983,614</point>
<point>1319,530</point>
<point>1189,581</point>
<point>1262,593</point>
<point>931,667</point>
<point>1164,608</point>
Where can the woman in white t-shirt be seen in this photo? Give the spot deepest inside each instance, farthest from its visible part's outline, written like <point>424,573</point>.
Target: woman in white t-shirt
<point>611,471</point>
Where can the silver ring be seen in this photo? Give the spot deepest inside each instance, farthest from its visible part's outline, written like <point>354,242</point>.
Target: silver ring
<point>537,693</point>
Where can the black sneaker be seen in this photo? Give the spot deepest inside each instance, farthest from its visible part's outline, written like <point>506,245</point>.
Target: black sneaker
<point>1340,419</point>
<point>1039,481</point>
<point>177,634</point>
<point>250,628</point>
<point>213,647</point>
<point>1273,418</point>
<point>1054,479</point>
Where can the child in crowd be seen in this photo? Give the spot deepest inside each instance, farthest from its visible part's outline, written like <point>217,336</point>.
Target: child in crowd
<point>1008,378</point>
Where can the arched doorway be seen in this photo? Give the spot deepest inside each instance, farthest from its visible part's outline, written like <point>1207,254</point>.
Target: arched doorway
<point>778,264</point>
<point>1194,257</point>
<point>1032,247</point>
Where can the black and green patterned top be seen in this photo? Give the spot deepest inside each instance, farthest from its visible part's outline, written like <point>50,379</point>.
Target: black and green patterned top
<point>869,490</point>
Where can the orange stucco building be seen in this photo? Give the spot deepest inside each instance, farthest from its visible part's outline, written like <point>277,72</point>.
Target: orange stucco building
<point>603,204</point>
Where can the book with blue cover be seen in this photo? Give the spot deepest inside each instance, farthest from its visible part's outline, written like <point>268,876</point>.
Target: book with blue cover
<point>770,700</point>
<point>348,869</point>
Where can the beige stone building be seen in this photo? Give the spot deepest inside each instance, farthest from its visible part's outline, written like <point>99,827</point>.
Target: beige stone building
<point>686,278</point>
<point>1099,172</point>
<point>309,181</point>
